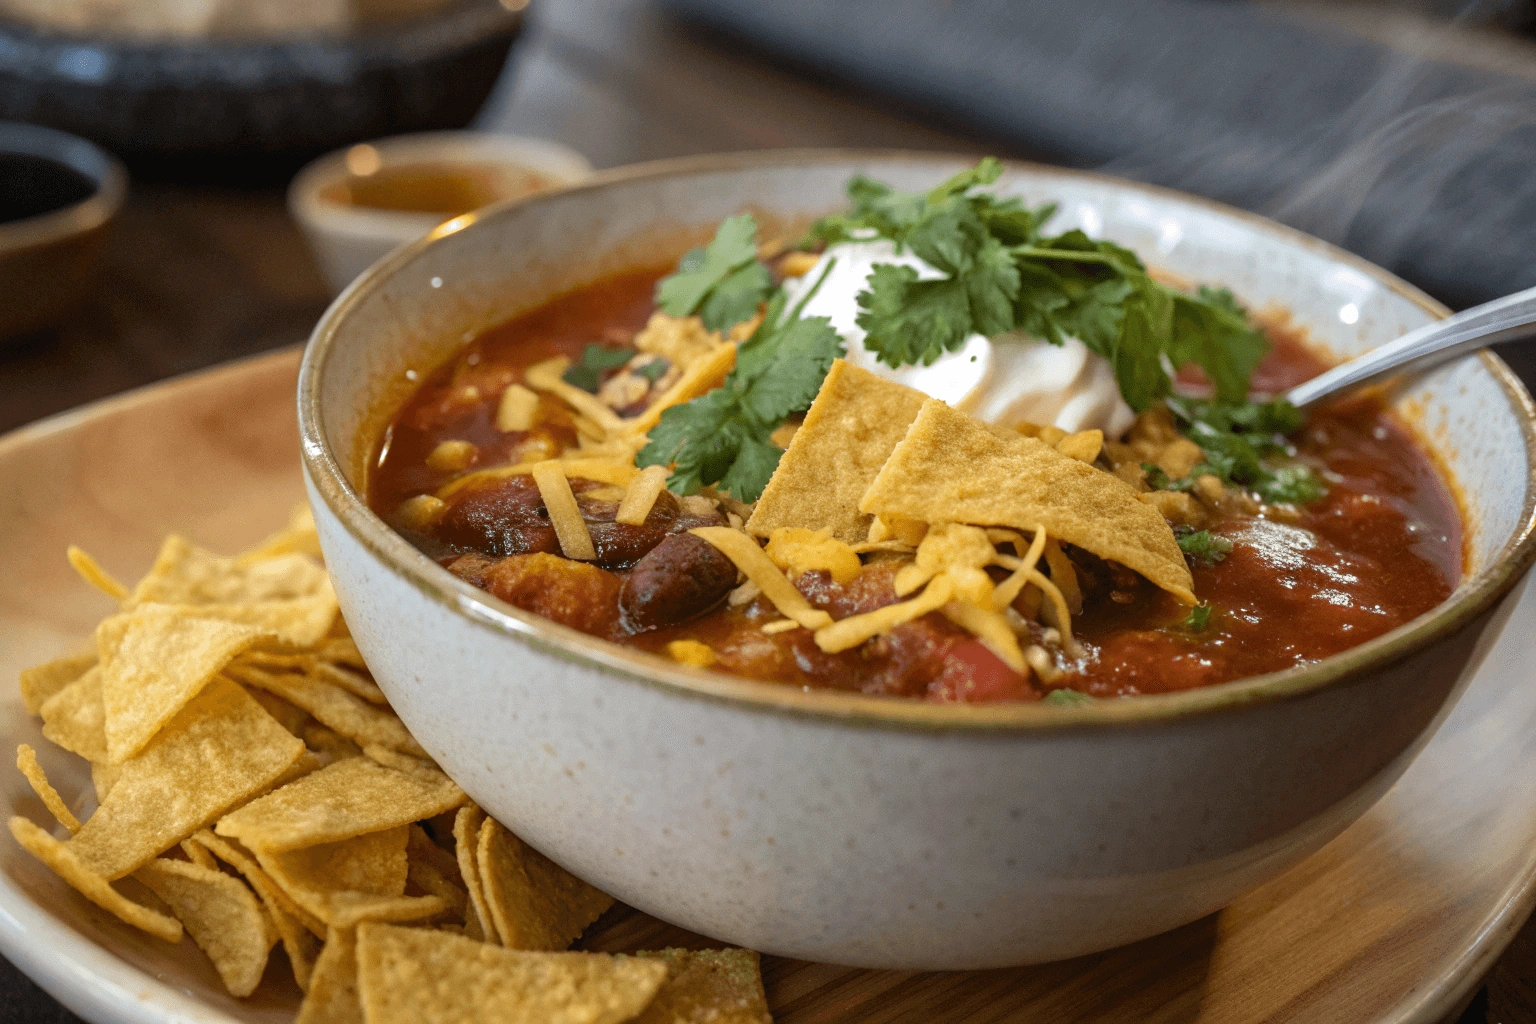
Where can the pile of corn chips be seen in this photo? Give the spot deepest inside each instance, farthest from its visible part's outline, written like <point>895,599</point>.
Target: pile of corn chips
<point>254,788</point>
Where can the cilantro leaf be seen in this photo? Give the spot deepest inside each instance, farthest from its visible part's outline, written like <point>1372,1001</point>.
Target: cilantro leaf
<point>796,361</point>
<point>1199,617</point>
<point>723,282</point>
<point>1067,698</point>
<point>912,321</point>
<point>736,297</point>
<point>1212,331</point>
<point>724,437</point>
<point>1203,547</point>
<point>596,360</point>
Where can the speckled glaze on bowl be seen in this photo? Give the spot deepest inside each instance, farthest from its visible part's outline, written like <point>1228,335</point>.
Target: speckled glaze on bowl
<point>862,830</point>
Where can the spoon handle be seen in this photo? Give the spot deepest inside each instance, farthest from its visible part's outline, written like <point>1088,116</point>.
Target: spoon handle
<point>1507,319</point>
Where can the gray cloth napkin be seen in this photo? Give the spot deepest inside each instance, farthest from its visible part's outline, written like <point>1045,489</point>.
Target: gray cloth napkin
<point>1421,165</point>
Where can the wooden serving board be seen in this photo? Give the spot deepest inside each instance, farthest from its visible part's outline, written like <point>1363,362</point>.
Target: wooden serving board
<point>1395,921</point>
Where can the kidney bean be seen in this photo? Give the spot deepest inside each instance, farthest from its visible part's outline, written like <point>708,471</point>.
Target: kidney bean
<point>505,518</point>
<point>508,517</point>
<point>679,579</point>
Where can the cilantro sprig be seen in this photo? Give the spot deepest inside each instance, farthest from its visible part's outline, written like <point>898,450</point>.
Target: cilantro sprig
<point>1242,442</point>
<point>724,437</point>
<point>723,282</point>
<point>1202,546</point>
<point>1000,274</point>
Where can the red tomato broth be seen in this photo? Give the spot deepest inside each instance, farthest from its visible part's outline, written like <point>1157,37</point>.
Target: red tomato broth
<point>1384,545</point>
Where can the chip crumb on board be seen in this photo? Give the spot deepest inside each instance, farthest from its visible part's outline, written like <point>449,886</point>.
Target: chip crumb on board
<point>249,773</point>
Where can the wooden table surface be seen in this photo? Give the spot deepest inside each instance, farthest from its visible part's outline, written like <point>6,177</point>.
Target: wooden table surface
<point>198,276</point>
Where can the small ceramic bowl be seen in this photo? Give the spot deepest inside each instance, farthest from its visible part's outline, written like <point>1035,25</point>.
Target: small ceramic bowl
<point>48,261</point>
<point>348,238</point>
<point>871,831</point>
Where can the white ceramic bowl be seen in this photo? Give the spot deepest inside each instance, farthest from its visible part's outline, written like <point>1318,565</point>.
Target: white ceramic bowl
<point>863,830</point>
<point>348,239</point>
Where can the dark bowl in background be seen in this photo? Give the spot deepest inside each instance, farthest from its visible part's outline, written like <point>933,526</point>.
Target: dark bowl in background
<point>48,261</point>
<point>256,109</point>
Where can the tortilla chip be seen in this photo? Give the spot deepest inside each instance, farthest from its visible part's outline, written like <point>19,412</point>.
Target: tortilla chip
<point>417,976</point>
<point>398,761</point>
<point>198,854</point>
<point>300,621</point>
<point>43,681</point>
<point>218,752</point>
<point>244,861</point>
<point>351,716</point>
<point>466,842</point>
<point>372,864</point>
<point>297,933</point>
<point>952,468</point>
<point>289,716</point>
<point>848,433</point>
<point>297,538</point>
<point>342,650</point>
<point>223,917</point>
<point>90,884</point>
<point>330,742</point>
<point>534,902</point>
<point>332,996</point>
<point>355,683</point>
<point>26,762</point>
<point>349,909</point>
<point>153,661</point>
<point>434,871</point>
<point>103,777</point>
<point>186,574</point>
<point>709,986</point>
<point>75,718</point>
<point>346,799</point>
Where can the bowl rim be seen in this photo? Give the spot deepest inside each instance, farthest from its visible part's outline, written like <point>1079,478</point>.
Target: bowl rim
<point>1471,598</point>
<point>84,157</point>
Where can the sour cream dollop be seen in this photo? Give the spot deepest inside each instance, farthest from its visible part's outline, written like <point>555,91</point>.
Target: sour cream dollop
<point>1010,379</point>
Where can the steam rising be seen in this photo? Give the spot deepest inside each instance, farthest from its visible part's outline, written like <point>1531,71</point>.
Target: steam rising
<point>1428,170</point>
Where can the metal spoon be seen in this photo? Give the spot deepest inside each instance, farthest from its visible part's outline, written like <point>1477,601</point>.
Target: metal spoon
<point>1508,319</point>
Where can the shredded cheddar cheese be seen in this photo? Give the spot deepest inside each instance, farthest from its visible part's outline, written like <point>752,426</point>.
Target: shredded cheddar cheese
<point>703,375</point>
<point>796,550</point>
<point>756,565</point>
<point>854,630</point>
<point>564,516</point>
<point>1064,576</point>
<point>91,571</point>
<point>1013,585</point>
<point>640,496</point>
<point>546,376</point>
<point>992,629</point>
